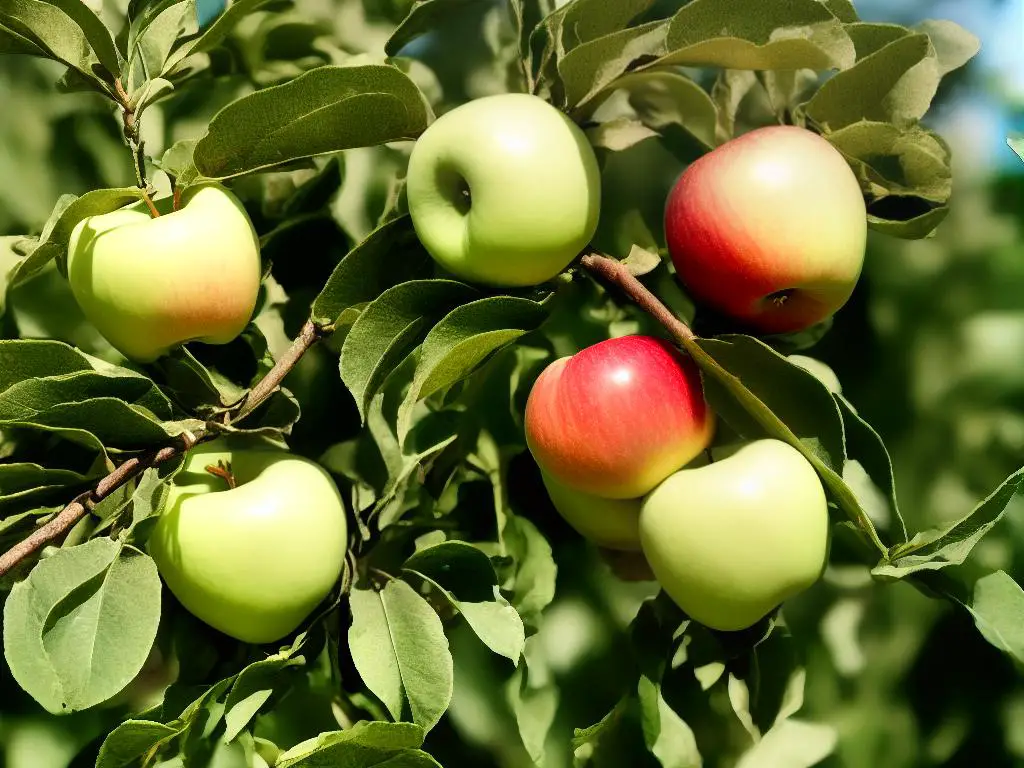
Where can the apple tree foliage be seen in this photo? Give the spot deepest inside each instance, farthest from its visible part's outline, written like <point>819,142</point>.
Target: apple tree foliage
<point>414,399</point>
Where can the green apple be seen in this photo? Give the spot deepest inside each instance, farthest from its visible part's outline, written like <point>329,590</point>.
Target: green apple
<point>504,190</point>
<point>732,540</point>
<point>610,523</point>
<point>254,560</point>
<point>150,283</point>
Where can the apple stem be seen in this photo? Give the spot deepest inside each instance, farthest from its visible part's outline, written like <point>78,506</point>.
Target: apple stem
<point>177,197</point>
<point>616,273</point>
<point>222,470</point>
<point>149,201</point>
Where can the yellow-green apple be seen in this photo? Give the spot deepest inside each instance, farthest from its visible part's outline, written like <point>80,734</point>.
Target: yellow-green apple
<point>610,523</point>
<point>251,553</point>
<point>504,190</point>
<point>732,540</point>
<point>617,418</point>
<point>150,283</point>
<point>769,229</point>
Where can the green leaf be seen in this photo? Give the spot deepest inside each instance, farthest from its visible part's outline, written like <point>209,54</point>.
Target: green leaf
<point>252,689</point>
<point>664,100</point>
<point>890,161</point>
<point>367,743</point>
<point>771,35</point>
<point>81,626</point>
<point>462,341</point>
<point>153,36</point>
<point>214,34</point>
<point>400,650</point>
<point>464,576</point>
<point>865,445</point>
<point>593,67</point>
<point>745,399</point>
<point>667,735</point>
<point>619,134</point>
<point>389,328</point>
<point>842,10</point>
<point>328,109</point>
<point>43,28</point>
<point>732,34</point>
<point>587,741</point>
<point>791,744</point>
<point>895,84</point>
<point>131,740</point>
<point>535,572</point>
<point>390,255</point>
<point>423,17</point>
<point>795,396</point>
<point>998,610</point>
<point>23,359</point>
<point>53,242</point>
<point>913,228</point>
<point>954,45</point>
<point>20,482</point>
<point>95,32</point>
<point>535,705</point>
<point>940,548</point>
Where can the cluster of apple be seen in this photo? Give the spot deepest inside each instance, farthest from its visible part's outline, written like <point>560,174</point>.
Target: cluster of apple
<point>768,229</point>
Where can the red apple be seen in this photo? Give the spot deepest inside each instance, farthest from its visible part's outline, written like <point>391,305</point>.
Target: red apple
<point>769,229</point>
<point>617,418</point>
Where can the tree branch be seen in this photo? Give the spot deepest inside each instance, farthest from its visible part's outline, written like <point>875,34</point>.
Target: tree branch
<point>616,273</point>
<point>310,334</point>
<point>131,134</point>
<point>68,517</point>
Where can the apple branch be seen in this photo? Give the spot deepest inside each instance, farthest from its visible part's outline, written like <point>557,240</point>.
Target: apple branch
<point>135,144</point>
<point>68,517</point>
<point>616,273</point>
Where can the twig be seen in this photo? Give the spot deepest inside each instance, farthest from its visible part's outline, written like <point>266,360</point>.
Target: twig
<point>264,388</point>
<point>617,274</point>
<point>77,509</point>
<point>131,134</point>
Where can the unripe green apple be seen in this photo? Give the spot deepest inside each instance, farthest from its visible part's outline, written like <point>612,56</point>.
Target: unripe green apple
<point>769,228</point>
<point>252,561</point>
<point>504,190</point>
<point>611,523</point>
<point>617,418</point>
<point>732,540</point>
<point>149,284</point>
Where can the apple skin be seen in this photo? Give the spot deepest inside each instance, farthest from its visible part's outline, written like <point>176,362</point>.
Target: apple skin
<point>617,418</point>
<point>149,284</point>
<point>504,190</point>
<point>609,523</point>
<point>769,229</point>
<point>732,540</point>
<point>255,560</point>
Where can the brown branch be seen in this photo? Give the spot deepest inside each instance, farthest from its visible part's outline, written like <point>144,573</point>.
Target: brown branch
<point>616,273</point>
<point>68,517</point>
<point>265,387</point>
<point>77,509</point>
<point>131,134</point>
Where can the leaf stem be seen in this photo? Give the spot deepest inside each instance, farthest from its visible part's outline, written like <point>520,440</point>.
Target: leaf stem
<point>66,519</point>
<point>129,118</point>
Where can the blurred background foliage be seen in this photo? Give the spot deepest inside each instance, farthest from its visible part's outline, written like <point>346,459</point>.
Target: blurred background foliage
<point>929,350</point>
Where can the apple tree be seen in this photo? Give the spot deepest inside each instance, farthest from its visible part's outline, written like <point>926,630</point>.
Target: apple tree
<point>302,460</point>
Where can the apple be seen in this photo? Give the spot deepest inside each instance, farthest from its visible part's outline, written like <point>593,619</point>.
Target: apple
<point>617,418</point>
<point>769,229</point>
<point>730,541</point>
<point>150,283</point>
<point>252,560</point>
<point>504,190</point>
<point>609,523</point>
